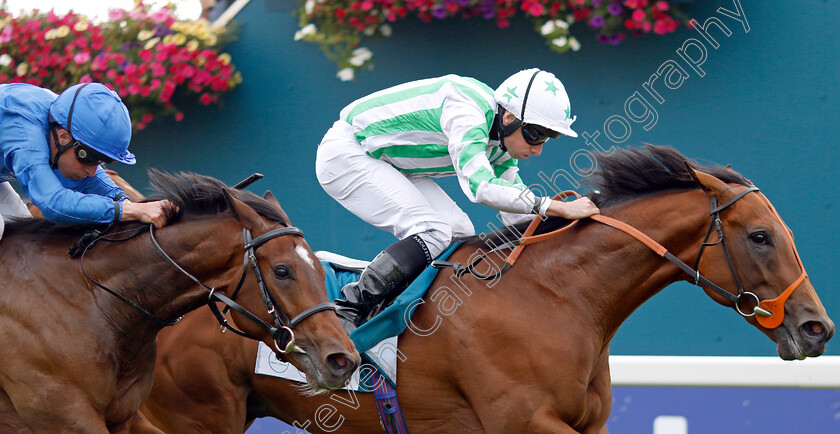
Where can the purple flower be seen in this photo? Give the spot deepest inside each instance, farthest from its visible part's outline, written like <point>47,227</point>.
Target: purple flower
<point>163,31</point>
<point>439,11</point>
<point>487,8</point>
<point>463,3</point>
<point>597,3</point>
<point>126,46</point>
<point>615,39</point>
<point>604,39</point>
<point>597,21</point>
<point>614,8</point>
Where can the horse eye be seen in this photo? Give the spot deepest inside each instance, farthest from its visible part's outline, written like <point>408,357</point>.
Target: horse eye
<point>282,272</point>
<point>760,238</point>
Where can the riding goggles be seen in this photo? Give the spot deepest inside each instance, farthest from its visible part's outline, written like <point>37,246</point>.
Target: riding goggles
<point>536,135</point>
<point>88,156</point>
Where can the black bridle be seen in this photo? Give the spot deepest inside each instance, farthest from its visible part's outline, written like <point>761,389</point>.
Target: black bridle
<point>717,226</point>
<point>282,332</point>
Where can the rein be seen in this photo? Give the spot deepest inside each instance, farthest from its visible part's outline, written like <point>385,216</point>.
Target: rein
<point>768,313</point>
<point>282,332</point>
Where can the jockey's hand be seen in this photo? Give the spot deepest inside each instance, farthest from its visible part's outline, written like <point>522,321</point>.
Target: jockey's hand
<point>576,209</point>
<point>147,212</point>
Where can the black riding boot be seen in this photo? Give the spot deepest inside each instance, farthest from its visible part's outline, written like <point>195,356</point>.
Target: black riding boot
<point>385,278</point>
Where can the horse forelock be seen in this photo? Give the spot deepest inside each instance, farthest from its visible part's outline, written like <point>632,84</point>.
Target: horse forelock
<point>624,175</point>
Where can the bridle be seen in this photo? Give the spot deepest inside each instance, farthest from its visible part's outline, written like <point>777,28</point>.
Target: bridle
<point>282,332</point>
<point>769,313</point>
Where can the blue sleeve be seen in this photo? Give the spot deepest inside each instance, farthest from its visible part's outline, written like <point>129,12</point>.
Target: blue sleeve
<point>26,148</point>
<point>100,184</point>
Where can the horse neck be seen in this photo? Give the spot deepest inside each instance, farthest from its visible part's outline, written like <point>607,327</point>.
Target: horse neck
<point>207,248</point>
<point>614,273</point>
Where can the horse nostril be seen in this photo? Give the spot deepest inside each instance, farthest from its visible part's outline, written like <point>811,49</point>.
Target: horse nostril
<point>340,362</point>
<point>814,329</point>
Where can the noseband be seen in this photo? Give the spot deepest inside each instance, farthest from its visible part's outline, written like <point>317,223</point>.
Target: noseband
<point>768,313</point>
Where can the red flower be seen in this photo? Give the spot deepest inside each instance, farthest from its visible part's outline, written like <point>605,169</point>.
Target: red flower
<point>205,99</point>
<point>146,55</point>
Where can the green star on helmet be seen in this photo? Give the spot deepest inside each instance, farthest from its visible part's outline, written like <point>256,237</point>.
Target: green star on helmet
<point>551,87</point>
<point>568,113</point>
<point>511,93</point>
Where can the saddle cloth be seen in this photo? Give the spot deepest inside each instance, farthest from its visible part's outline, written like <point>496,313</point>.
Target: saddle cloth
<point>377,338</point>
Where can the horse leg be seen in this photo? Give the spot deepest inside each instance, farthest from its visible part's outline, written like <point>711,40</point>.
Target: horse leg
<point>546,420</point>
<point>136,424</point>
<point>10,421</point>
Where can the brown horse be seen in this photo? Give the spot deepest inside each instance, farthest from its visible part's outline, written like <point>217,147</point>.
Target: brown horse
<point>80,359</point>
<point>528,351</point>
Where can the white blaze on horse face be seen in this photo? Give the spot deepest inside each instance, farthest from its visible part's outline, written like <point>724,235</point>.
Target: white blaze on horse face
<point>305,255</point>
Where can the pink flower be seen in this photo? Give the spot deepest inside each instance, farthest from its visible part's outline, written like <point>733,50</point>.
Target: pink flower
<point>160,15</point>
<point>6,34</point>
<point>81,58</point>
<point>158,69</point>
<point>86,79</point>
<point>116,14</point>
<point>639,15</point>
<point>662,5</point>
<point>179,116</point>
<point>147,118</point>
<point>205,99</point>
<point>536,9</point>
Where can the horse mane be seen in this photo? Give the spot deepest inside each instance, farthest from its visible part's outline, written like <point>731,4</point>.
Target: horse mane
<point>624,175</point>
<point>194,195</point>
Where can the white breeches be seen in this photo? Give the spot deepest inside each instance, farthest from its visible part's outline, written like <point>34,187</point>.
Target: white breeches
<point>11,205</point>
<point>381,195</point>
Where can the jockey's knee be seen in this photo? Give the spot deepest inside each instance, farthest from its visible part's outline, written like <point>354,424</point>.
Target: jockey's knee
<point>437,240</point>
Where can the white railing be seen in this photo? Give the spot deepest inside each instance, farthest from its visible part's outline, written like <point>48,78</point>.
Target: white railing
<point>821,372</point>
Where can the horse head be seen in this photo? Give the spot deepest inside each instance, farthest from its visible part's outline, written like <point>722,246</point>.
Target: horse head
<point>261,268</point>
<point>289,270</point>
<point>753,251</point>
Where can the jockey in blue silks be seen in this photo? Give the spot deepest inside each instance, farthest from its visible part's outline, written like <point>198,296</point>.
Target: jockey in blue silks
<point>54,146</point>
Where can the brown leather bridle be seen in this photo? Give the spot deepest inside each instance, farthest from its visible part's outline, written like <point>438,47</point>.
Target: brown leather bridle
<point>769,313</point>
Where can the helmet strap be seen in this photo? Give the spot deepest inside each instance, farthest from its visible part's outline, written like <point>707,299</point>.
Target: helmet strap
<point>61,148</point>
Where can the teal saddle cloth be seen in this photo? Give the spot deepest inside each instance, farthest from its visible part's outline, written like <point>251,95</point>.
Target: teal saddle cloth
<point>391,321</point>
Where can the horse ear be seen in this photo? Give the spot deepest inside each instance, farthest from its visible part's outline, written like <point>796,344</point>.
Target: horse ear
<point>269,196</point>
<point>245,214</point>
<point>707,182</point>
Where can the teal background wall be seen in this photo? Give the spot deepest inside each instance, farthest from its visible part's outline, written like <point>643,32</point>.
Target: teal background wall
<point>768,105</point>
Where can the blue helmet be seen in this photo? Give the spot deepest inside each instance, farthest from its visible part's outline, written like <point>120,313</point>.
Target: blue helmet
<point>96,117</point>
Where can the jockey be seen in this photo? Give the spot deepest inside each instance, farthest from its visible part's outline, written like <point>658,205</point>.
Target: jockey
<point>378,158</point>
<point>54,145</point>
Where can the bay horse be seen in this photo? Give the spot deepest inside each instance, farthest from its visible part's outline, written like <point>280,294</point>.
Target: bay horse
<point>528,350</point>
<point>79,335</point>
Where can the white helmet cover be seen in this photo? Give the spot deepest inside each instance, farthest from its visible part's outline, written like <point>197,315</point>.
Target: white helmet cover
<point>544,97</point>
